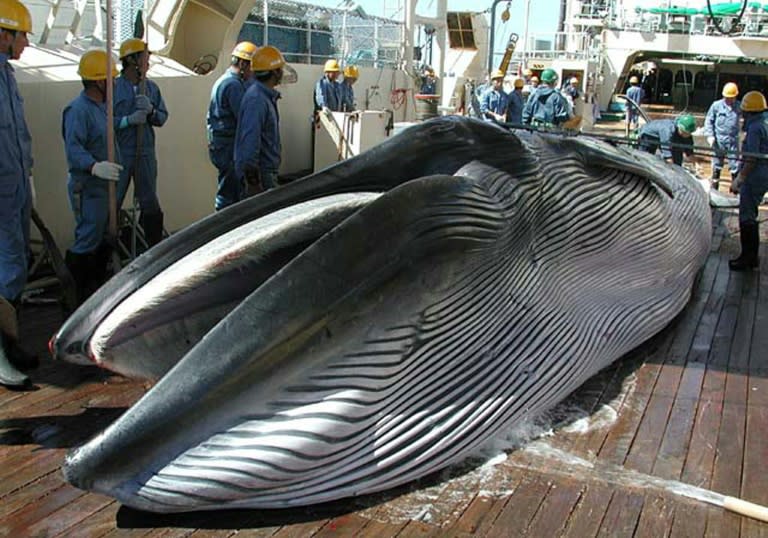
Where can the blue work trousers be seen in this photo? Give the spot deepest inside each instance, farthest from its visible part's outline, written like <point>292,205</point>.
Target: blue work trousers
<point>230,187</point>
<point>723,152</point>
<point>90,204</point>
<point>15,213</point>
<point>751,195</point>
<point>144,174</point>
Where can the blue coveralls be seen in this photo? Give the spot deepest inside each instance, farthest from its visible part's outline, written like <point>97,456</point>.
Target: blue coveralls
<point>493,101</point>
<point>145,176</point>
<point>84,128</point>
<point>226,95</point>
<point>722,122</point>
<point>327,94</point>
<point>257,142</point>
<point>755,184</point>
<point>545,106</point>
<point>515,108</point>
<point>429,86</point>
<point>347,97</point>
<point>662,134</point>
<point>15,192</point>
<point>637,94</point>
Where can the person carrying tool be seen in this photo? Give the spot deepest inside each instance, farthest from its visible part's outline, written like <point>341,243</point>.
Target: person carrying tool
<point>136,96</point>
<point>546,106</point>
<point>257,140</point>
<point>637,94</point>
<point>516,103</point>
<point>672,136</point>
<point>752,181</point>
<point>494,102</point>
<point>327,90</point>
<point>84,128</point>
<point>721,126</point>
<point>226,95</point>
<point>15,193</point>
<point>351,74</point>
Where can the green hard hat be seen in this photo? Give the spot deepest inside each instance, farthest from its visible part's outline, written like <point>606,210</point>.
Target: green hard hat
<point>549,76</point>
<point>686,123</point>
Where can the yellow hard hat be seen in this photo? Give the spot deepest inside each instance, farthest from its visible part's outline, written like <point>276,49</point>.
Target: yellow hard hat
<point>93,65</point>
<point>574,80</point>
<point>498,73</point>
<point>351,71</point>
<point>267,58</point>
<point>730,90</point>
<point>528,73</point>
<point>534,78</point>
<point>15,16</point>
<point>519,83</point>
<point>332,66</point>
<point>753,101</point>
<point>244,50</point>
<point>634,80</point>
<point>132,46</point>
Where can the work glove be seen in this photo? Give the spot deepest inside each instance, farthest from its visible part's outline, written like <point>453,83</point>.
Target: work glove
<point>711,140</point>
<point>106,170</point>
<point>137,118</point>
<point>142,102</point>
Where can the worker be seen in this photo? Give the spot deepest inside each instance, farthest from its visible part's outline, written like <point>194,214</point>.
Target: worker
<point>752,181</point>
<point>135,93</point>
<point>84,128</point>
<point>721,126</point>
<point>516,103</point>
<point>327,91</point>
<point>530,86</point>
<point>546,106</point>
<point>351,74</point>
<point>494,102</point>
<point>257,141</point>
<point>223,110</point>
<point>672,136</point>
<point>572,89</point>
<point>16,199</point>
<point>428,82</point>
<point>637,94</point>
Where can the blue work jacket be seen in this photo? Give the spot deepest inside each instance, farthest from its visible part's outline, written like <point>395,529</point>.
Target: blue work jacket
<point>15,140</point>
<point>124,105</point>
<point>84,128</point>
<point>756,141</point>
<point>257,143</point>
<point>636,93</point>
<point>671,143</point>
<point>722,122</point>
<point>493,101</point>
<point>347,97</point>
<point>546,106</point>
<point>226,95</point>
<point>515,108</point>
<point>327,94</point>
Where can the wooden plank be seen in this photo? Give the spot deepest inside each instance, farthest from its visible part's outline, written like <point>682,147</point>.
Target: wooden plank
<point>552,517</point>
<point>478,518</point>
<point>29,516</point>
<point>587,517</point>
<point>623,513</point>
<point>656,517</point>
<point>71,515</point>
<point>690,521</point>
<point>522,506</point>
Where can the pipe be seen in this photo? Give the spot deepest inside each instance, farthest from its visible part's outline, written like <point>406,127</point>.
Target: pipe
<point>491,42</point>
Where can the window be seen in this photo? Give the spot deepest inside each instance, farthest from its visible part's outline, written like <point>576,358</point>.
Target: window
<point>460,32</point>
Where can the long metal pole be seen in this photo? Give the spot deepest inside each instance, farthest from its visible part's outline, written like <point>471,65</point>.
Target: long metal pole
<point>525,33</point>
<point>110,128</point>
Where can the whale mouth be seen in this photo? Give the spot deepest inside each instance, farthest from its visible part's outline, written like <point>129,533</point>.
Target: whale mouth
<point>381,319</point>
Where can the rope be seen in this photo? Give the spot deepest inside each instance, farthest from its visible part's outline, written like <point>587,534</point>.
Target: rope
<point>736,22</point>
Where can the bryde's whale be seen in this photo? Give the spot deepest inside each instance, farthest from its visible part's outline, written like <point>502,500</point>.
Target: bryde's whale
<point>381,319</point>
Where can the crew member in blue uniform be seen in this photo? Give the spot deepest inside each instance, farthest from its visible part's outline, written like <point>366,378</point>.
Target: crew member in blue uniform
<point>546,106</point>
<point>722,129</point>
<point>752,182</point>
<point>494,102</point>
<point>134,95</point>
<point>637,94</point>
<point>257,142</point>
<point>84,128</point>
<point>15,193</point>
<point>347,92</point>
<point>671,136</point>
<point>516,103</point>
<point>327,91</point>
<point>223,110</point>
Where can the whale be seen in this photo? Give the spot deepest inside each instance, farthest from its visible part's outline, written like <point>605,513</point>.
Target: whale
<point>381,319</point>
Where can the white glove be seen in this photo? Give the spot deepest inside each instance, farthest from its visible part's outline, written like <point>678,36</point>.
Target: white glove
<point>143,103</point>
<point>107,170</point>
<point>32,190</point>
<point>711,140</point>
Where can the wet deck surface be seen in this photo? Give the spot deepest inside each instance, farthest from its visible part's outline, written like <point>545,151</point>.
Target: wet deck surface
<point>689,406</point>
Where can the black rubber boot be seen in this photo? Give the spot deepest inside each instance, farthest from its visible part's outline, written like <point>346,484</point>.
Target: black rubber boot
<point>152,224</point>
<point>78,265</point>
<point>9,375</point>
<point>715,181</point>
<point>749,233</point>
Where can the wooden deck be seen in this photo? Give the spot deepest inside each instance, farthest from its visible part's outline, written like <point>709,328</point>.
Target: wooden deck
<point>691,405</point>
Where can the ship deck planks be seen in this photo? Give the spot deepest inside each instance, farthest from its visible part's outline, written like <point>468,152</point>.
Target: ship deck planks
<point>696,411</point>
